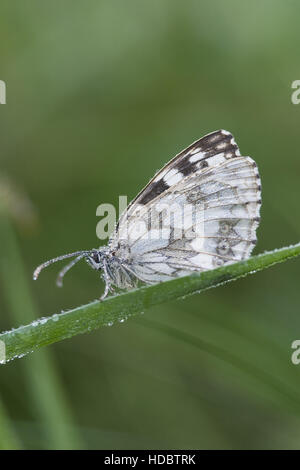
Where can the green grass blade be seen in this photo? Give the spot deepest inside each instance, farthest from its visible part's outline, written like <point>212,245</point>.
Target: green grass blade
<point>88,317</point>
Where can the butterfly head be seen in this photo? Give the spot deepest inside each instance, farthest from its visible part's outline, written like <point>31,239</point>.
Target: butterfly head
<point>95,259</point>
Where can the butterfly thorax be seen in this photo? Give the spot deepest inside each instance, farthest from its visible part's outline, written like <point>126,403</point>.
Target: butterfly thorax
<point>114,263</point>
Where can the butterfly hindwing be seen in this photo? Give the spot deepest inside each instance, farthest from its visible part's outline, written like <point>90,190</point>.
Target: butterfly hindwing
<point>230,217</point>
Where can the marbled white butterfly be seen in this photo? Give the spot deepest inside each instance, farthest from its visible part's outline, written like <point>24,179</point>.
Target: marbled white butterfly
<point>200,211</point>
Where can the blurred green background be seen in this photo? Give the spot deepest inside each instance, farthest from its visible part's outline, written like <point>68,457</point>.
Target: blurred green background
<point>99,96</point>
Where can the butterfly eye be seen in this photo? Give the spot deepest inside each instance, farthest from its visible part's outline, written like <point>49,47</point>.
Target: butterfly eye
<point>96,257</point>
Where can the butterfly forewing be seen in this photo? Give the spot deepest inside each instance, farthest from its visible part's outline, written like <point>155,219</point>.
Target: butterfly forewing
<point>214,197</point>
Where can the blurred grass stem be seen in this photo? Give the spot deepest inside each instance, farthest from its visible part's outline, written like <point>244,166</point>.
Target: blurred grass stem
<point>44,386</point>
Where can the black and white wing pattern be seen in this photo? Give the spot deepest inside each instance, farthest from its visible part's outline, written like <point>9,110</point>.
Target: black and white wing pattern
<point>197,213</point>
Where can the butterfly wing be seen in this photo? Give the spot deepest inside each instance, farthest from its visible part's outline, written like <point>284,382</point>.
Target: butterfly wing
<point>193,158</point>
<point>216,194</point>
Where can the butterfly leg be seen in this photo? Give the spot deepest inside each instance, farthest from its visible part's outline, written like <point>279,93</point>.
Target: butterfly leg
<point>105,293</point>
<point>108,286</point>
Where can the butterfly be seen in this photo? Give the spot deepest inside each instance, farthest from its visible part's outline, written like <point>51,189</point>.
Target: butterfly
<point>200,211</point>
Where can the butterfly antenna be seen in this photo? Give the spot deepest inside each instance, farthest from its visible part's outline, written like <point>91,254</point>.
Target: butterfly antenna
<point>61,274</point>
<point>54,260</point>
